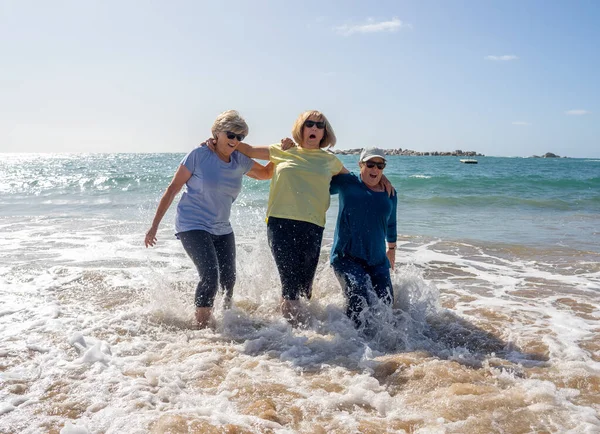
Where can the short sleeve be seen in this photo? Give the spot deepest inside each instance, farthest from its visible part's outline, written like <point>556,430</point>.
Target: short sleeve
<point>192,160</point>
<point>276,153</point>
<point>246,163</point>
<point>336,165</point>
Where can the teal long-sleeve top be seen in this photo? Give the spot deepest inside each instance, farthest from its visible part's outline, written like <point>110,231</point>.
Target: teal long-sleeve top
<point>366,219</point>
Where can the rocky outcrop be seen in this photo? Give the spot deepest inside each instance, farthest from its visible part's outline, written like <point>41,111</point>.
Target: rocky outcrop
<point>400,151</point>
<point>546,155</point>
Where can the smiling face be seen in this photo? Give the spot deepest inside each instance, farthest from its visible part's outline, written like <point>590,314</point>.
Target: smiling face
<point>311,133</point>
<point>227,142</point>
<point>371,175</point>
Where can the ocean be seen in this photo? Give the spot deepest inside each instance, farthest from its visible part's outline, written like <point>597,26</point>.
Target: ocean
<point>494,329</point>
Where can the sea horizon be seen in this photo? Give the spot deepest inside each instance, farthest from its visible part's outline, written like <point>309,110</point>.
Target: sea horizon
<point>334,149</point>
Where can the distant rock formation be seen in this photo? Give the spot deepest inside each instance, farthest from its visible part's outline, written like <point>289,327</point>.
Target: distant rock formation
<point>400,151</point>
<point>546,155</point>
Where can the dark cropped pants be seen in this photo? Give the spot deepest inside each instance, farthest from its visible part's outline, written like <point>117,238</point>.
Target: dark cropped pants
<point>363,285</point>
<point>296,246</point>
<point>214,258</point>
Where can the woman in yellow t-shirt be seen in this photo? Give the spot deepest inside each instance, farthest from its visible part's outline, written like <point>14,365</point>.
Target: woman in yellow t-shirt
<point>298,201</point>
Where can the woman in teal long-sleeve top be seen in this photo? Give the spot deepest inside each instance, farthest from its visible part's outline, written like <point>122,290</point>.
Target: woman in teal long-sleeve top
<point>366,221</point>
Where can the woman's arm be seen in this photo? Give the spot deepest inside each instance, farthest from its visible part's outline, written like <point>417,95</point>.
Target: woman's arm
<point>391,254</point>
<point>181,177</point>
<point>260,172</point>
<point>334,185</point>
<point>258,152</point>
<point>392,232</point>
<point>387,185</point>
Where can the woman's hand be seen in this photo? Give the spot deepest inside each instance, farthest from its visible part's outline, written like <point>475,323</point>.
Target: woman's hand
<point>387,185</point>
<point>211,143</point>
<point>150,239</point>
<point>287,143</point>
<point>391,255</point>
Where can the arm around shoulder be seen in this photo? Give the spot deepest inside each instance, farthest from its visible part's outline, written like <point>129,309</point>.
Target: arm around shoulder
<point>258,152</point>
<point>260,172</point>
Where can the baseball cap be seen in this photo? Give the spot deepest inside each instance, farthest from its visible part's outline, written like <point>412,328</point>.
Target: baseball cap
<point>369,153</point>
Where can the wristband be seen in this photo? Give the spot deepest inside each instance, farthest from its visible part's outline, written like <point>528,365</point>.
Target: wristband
<point>391,248</point>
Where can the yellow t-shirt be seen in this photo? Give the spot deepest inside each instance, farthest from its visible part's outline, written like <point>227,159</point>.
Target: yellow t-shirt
<point>300,184</point>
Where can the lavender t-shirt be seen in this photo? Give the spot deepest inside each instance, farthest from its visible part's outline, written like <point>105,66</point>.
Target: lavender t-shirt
<point>210,192</point>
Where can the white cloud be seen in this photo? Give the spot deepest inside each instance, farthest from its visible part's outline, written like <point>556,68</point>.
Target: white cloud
<point>372,26</point>
<point>504,58</point>
<point>577,112</point>
<point>522,123</point>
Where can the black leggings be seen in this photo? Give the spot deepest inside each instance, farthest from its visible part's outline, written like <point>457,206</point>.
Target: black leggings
<point>361,282</point>
<point>295,246</point>
<point>214,258</point>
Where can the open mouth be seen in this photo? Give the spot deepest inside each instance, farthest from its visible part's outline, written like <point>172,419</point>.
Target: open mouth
<point>312,136</point>
<point>232,145</point>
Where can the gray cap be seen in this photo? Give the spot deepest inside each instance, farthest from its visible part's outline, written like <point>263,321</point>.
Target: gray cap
<point>369,153</point>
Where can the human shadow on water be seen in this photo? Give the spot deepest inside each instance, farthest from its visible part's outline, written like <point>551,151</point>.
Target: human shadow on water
<point>331,339</point>
<point>448,336</point>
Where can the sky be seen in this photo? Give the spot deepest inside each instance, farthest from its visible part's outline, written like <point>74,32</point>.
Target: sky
<point>503,78</point>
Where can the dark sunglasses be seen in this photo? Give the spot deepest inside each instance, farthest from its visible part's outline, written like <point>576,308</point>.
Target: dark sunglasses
<point>309,124</point>
<point>371,164</point>
<point>232,136</point>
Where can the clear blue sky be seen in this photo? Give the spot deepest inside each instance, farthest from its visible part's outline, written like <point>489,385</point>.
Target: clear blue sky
<point>510,78</point>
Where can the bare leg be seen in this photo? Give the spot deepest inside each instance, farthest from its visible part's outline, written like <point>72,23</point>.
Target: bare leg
<point>292,312</point>
<point>204,317</point>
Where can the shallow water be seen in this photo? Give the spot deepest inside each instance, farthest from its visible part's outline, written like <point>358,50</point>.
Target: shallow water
<point>97,332</point>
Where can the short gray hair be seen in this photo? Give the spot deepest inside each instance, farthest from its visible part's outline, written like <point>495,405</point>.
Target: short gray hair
<point>230,120</point>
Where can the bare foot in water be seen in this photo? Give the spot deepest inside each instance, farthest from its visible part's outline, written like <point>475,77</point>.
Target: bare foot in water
<point>204,317</point>
<point>294,313</point>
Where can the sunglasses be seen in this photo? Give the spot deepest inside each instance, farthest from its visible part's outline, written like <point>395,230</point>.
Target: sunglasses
<point>309,124</point>
<point>371,164</point>
<point>232,136</point>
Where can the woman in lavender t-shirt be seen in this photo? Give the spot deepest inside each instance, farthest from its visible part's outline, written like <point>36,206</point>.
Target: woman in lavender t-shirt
<point>213,181</point>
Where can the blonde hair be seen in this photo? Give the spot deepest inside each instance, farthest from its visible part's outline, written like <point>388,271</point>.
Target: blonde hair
<point>230,120</point>
<point>328,139</point>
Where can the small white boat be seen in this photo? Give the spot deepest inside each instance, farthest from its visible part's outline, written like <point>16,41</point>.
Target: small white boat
<point>468,161</point>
